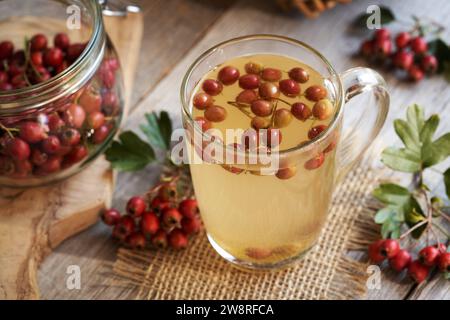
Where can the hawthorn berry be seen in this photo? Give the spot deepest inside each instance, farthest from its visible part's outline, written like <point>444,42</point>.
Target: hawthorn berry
<point>17,149</point>
<point>247,96</point>
<point>402,40</point>
<point>271,74</point>
<point>6,49</point>
<point>418,271</point>
<point>31,132</point>
<point>190,225</point>
<point>171,217</point>
<point>367,49</point>
<point>51,144</point>
<point>168,191</point>
<point>415,73</point>
<point>177,239</point>
<point>136,240</point>
<point>418,45</point>
<point>100,134</point>
<point>301,111</point>
<point>316,93</point>
<point>444,262</point>
<point>403,59</point>
<point>400,261</point>
<point>315,162</point>
<point>158,205</point>
<point>212,87</point>
<point>136,206</point>
<point>375,252</point>
<point>261,108</point>
<point>429,64</point>
<point>38,42</point>
<point>253,67</point>
<point>188,208</point>
<point>282,118</point>
<point>215,113</point>
<point>382,33</point>
<point>298,74</point>
<point>268,90</point>
<point>322,109</point>
<point>62,41</point>
<point>382,48</point>
<point>316,130</point>
<point>389,248</point>
<point>53,57</point>
<point>289,87</point>
<point>429,255</point>
<point>202,101</point>
<point>126,225</point>
<point>149,223</point>
<point>111,217</point>
<point>70,137</point>
<point>159,240</point>
<point>228,75</point>
<point>249,81</point>
<point>286,173</point>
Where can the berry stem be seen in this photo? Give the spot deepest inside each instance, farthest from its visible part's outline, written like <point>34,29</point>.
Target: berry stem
<point>282,100</point>
<point>9,130</point>
<point>241,107</point>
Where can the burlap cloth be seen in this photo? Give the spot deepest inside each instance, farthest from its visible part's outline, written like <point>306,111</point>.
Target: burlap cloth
<point>327,272</point>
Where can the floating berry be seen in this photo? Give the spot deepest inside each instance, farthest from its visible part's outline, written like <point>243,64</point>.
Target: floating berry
<point>53,57</point>
<point>315,162</point>
<point>74,115</point>
<point>389,248</point>
<point>111,217</point>
<point>418,271</point>
<point>403,59</point>
<point>54,122</point>
<point>400,261</point>
<point>188,208</point>
<point>136,240</point>
<point>418,45</point>
<point>191,225</point>
<point>249,81</point>
<point>271,74</point>
<point>289,87</point>
<point>177,239</point>
<point>298,74</point>
<point>261,108</point>
<point>286,173</point>
<point>301,111</point>
<point>6,49</point>
<point>429,64</point>
<point>171,218</point>
<point>258,253</point>
<point>136,206</point>
<point>168,192</point>
<point>282,118</point>
<point>375,252</point>
<point>250,139</point>
<point>215,113</point>
<point>17,149</point>
<point>247,96</point>
<point>444,262</point>
<point>316,93</point>
<point>253,68</point>
<point>95,120</point>
<point>149,223</point>
<point>269,90</point>
<point>258,123</point>
<point>272,137</point>
<point>322,109</point>
<point>62,41</point>
<point>100,134</point>
<point>429,255</point>
<point>38,43</point>
<point>212,87</point>
<point>402,40</point>
<point>415,73</point>
<point>159,240</point>
<point>316,130</point>
<point>228,75</point>
<point>202,101</point>
<point>203,123</point>
<point>91,100</point>
<point>31,132</point>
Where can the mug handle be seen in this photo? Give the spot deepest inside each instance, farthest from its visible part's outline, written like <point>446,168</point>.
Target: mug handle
<point>365,120</point>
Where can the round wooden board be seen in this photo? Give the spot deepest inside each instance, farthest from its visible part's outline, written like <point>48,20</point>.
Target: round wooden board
<point>34,221</point>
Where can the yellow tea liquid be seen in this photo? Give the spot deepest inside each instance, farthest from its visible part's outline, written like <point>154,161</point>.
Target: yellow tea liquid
<point>265,220</point>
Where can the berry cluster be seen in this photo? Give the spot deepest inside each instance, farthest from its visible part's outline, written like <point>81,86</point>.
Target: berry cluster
<point>400,259</point>
<point>60,136</point>
<point>411,54</point>
<point>260,99</point>
<point>157,220</point>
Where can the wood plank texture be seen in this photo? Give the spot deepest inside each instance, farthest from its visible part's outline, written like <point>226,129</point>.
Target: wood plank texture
<point>330,35</point>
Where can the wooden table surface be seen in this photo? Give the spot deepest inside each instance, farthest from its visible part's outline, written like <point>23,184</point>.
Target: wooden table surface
<point>175,33</point>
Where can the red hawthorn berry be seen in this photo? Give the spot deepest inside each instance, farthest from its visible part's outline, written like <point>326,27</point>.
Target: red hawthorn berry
<point>171,217</point>
<point>401,260</point>
<point>168,191</point>
<point>136,240</point>
<point>191,225</point>
<point>403,59</point>
<point>177,239</point>
<point>188,208</point>
<point>441,246</point>
<point>375,251</point>
<point>402,40</point>
<point>159,240</point>
<point>125,227</point>
<point>111,217</point>
<point>429,64</point>
<point>382,48</point>
<point>418,45</point>
<point>149,223</point>
<point>118,233</point>
<point>367,48</point>
<point>418,271</point>
<point>415,73</point>
<point>382,33</point>
<point>389,248</point>
<point>136,206</point>
<point>428,256</point>
<point>158,205</point>
<point>444,262</point>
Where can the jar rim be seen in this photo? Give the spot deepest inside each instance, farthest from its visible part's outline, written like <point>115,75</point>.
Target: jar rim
<point>35,92</point>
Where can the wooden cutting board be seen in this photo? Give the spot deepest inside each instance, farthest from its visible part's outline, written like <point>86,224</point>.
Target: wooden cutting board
<point>34,221</point>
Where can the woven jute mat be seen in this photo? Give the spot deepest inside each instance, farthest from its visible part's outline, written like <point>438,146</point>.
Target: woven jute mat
<point>327,271</point>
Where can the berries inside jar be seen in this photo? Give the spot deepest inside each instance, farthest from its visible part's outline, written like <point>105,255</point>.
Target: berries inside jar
<point>64,133</point>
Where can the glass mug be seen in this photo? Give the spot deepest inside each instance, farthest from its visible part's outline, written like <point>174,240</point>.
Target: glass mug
<point>256,220</point>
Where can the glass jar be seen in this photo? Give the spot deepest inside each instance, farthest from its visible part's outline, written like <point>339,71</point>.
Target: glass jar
<point>52,127</point>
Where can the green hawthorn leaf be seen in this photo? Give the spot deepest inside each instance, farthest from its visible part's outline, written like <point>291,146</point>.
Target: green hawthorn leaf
<point>383,215</point>
<point>447,182</point>
<point>158,129</point>
<point>415,117</point>
<point>436,151</point>
<point>401,159</point>
<point>408,134</point>
<point>130,153</point>
<point>390,193</point>
<point>429,128</point>
<point>441,51</point>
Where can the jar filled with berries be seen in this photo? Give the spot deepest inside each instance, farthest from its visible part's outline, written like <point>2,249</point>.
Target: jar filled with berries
<point>61,90</point>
